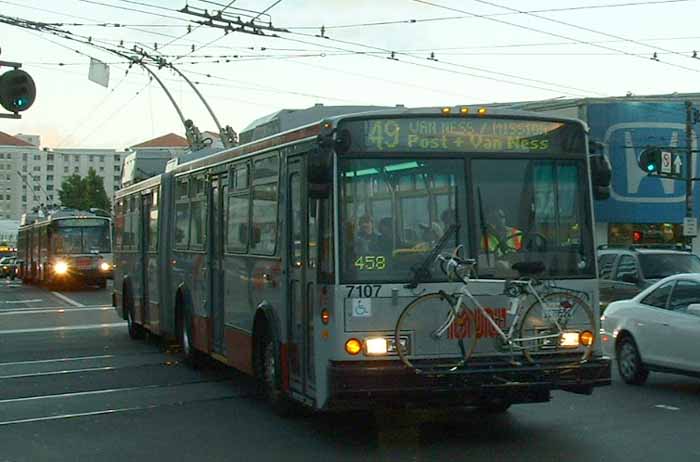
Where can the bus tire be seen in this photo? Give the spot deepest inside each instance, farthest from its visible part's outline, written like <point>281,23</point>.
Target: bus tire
<point>136,331</point>
<point>184,336</point>
<point>269,377</point>
<point>494,406</point>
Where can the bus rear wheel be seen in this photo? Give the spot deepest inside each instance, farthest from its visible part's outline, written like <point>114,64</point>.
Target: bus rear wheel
<point>184,339</point>
<point>136,331</point>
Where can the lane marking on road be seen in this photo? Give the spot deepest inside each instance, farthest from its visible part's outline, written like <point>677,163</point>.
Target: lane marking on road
<point>79,358</point>
<point>63,329</point>
<point>52,307</point>
<point>33,300</point>
<point>116,411</point>
<point>109,390</point>
<point>57,360</point>
<point>667,407</point>
<point>42,310</point>
<point>67,299</point>
<point>71,371</point>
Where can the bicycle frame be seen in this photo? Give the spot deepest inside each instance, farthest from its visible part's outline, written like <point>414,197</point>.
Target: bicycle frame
<point>516,311</point>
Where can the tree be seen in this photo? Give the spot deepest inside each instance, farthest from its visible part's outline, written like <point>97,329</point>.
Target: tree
<point>84,193</point>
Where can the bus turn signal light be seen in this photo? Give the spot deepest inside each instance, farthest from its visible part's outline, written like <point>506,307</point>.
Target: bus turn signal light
<point>325,316</point>
<point>353,346</point>
<point>586,338</point>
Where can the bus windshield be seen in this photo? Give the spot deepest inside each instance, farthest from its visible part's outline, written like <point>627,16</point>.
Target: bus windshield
<point>395,210</point>
<point>393,213</point>
<point>88,236</point>
<point>532,210</point>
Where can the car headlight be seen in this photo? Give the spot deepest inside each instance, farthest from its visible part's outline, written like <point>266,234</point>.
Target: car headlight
<point>104,266</point>
<point>60,267</point>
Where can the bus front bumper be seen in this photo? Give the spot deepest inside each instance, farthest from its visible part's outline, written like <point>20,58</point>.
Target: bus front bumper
<point>364,384</point>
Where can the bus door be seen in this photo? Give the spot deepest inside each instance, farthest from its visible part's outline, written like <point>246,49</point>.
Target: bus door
<point>143,204</point>
<point>301,280</point>
<point>215,252</point>
<point>149,259</point>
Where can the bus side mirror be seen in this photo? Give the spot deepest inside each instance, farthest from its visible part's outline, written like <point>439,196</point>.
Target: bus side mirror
<point>319,166</point>
<point>601,175</point>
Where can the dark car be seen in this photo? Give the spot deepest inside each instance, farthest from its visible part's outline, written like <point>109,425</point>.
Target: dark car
<point>8,267</point>
<point>624,272</point>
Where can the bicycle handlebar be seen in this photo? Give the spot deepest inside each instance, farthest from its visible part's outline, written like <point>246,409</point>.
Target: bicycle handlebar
<point>451,264</point>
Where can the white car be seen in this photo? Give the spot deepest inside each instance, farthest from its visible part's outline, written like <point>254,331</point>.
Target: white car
<point>658,330</point>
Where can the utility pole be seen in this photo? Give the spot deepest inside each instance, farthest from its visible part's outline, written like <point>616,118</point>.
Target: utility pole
<point>689,159</point>
<point>691,117</point>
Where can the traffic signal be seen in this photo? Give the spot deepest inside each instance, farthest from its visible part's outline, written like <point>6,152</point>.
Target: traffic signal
<point>637,236</point>
<point>650,160</point>
<point>17,90</point>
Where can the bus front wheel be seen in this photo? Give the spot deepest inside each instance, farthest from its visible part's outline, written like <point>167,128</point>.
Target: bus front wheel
<point>269,377</point>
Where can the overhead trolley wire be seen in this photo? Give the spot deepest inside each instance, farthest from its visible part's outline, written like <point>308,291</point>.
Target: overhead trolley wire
<point>452,18</point>
<point>553,34</point>
<point>428,66</point>
<point>587,29</point>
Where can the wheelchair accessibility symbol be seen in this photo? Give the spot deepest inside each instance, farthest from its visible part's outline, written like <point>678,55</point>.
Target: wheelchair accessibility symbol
<point>362,307</point>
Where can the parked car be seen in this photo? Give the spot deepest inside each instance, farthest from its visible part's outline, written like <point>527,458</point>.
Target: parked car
<point>658,330</point>
<point>626,271</point>
<point>8,267</point>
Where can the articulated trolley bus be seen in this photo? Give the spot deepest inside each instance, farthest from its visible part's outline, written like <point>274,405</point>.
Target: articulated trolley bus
<point>65,246</point>
<point>293,255</point>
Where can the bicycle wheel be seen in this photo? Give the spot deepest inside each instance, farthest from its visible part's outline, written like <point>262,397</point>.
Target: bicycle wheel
<point>545,327</point>
<point>427,352</point>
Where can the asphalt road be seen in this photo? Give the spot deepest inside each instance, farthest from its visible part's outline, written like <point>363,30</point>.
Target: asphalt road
<point>74,387</point>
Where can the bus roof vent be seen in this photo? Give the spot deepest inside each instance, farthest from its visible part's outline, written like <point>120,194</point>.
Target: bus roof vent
<point>144,164</point>
<point>289,119</point>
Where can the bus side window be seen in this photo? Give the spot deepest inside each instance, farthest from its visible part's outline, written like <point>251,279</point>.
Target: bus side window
<point>182,210</point>
<point>237,209</point>
<point>264,203</point>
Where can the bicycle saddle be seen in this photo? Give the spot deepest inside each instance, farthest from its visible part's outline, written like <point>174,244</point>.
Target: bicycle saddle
<point>528,267</point>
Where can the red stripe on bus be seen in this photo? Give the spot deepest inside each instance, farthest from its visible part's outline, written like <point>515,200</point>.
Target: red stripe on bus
<point>201,329</point>
<point>239,349</point>
<point>284,366</point>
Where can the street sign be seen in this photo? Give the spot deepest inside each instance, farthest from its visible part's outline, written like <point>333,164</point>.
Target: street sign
<point>677,164</point>
<point>666,162</point>
<point>690,226</point>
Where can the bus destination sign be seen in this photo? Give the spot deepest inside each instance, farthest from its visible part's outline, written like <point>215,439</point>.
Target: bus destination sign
<point>464,135</point>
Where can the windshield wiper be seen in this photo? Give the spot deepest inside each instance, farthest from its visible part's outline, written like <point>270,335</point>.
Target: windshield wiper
<point>422,271</point>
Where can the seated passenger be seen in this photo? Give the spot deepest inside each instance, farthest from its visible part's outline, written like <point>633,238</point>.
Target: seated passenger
<point>365,236</point>
<point>385,242</point>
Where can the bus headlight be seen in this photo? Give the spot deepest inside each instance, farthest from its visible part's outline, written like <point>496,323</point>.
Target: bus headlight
<point>60,267</point>
<point>569,339</point>
<point>104,266</point>
<point>376,346</point>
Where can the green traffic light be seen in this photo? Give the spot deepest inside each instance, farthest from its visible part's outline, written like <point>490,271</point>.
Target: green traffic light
<point>651,167</point>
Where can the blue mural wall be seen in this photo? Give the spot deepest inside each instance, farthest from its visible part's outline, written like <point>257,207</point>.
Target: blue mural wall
<point>626,128</point>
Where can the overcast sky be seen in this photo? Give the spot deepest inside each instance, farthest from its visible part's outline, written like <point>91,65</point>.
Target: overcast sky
<point>504,50</point>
